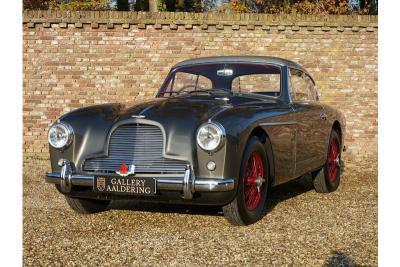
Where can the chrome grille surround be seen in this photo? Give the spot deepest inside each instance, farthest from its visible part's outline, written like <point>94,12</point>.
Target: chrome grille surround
<point>139,144</point>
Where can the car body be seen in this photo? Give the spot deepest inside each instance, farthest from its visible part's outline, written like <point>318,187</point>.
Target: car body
<point>188,144</point>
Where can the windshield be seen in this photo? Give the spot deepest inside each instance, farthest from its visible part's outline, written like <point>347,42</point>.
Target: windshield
<point>223,78</point>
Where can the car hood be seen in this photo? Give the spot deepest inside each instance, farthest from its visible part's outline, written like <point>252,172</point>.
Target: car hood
<point>190,110</point>
<point>179,116</point>
<point>176,110</point>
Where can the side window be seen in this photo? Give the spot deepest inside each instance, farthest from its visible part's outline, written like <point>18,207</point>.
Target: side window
<point>301,88</point>
<point>312,88</point>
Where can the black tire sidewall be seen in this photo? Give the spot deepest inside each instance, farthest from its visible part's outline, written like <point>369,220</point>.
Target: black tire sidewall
<point>332,185</point>
<point>250,216</point>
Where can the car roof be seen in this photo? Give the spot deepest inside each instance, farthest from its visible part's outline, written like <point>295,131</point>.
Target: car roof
<point>240,59</point>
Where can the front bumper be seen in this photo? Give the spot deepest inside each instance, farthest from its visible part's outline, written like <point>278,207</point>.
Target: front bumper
<point>186,183</point>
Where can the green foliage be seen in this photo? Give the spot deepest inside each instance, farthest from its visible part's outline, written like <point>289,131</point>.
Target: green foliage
<point>310,7</point>
<point>162,7</point>
<point>234,6</point>
<point>85,5</point>
<point>181,5</point>
<point>39,4</point>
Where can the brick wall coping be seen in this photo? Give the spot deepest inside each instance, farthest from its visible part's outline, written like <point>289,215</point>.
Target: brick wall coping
<point>282,21</point>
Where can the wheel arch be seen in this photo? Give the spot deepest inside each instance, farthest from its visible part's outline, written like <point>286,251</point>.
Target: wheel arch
<point>338,128</point>
<point>263,136</point>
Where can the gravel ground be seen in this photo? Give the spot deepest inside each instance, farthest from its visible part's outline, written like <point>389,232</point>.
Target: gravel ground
<point>303,228</point>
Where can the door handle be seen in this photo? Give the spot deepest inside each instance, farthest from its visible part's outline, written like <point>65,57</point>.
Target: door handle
<point>323,116</point>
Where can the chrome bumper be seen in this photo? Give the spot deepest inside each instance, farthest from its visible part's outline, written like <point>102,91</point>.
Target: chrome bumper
<point>187,184</point>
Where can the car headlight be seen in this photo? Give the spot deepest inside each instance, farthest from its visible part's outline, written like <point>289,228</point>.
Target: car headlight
<point>60,135</point>
<point>210,136</point>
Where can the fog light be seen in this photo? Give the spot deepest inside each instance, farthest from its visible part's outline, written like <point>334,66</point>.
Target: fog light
<point>211,165</point>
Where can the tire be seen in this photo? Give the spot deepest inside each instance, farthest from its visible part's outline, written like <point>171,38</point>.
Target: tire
<point>87,206</point>
<point>247,210</point>
<point>328,178</point>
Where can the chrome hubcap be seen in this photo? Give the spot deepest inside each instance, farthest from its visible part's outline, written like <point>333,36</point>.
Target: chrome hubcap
<point>259,182</point>
<point>337,160</point>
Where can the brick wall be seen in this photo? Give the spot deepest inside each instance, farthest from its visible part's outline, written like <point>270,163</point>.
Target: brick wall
<point>76,59</point>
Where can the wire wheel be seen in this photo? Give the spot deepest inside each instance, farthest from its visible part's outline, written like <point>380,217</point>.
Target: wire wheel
<point>254,181</point>
<point>333,161</point>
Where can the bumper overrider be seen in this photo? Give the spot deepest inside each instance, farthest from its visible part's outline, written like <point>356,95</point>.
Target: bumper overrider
<point>186,183</point>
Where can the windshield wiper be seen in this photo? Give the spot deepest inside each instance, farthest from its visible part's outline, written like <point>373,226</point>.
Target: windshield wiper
<point>222,90</point>
<point>211,91</point>
<point>208,91</point>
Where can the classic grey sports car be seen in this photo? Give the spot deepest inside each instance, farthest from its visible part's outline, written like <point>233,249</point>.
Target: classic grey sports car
<point>221,131</point>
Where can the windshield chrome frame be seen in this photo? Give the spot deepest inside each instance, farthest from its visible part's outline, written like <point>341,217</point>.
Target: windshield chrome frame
<point>283,96</point>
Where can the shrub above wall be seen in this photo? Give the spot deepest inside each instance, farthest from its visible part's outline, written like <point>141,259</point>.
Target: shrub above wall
<point>76,59</point>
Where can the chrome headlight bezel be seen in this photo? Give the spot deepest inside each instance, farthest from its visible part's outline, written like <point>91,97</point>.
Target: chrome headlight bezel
<point>219,129</point>
<point>69,133</point>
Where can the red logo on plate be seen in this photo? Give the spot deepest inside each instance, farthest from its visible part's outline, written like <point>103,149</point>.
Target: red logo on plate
<point>123,169</point>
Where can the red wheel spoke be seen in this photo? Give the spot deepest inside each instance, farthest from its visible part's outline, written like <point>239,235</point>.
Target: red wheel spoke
<point>251,181</point>
<point>333,156</point>
<point>254,170</point>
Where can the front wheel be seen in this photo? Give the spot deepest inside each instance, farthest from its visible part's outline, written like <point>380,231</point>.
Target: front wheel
<point>249,205</point>
<point>328,178</point>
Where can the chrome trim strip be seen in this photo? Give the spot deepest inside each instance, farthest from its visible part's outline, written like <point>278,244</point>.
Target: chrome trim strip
<point>171,183</point>
<point>219,112</point>
<point>222,98</point>
<point>214,185</point>
<point>158,175</point>
<point>105,152</point>
<point>65,176</point>
<point>188,184</point>
<point>193,178</point>
<point>187,192</point>
<point>277,123</point>
<point>76,179</point>
<point>138,116</point>
<point>131,121</point>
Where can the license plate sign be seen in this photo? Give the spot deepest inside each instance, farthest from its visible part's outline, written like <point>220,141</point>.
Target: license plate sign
<point>125,185</point>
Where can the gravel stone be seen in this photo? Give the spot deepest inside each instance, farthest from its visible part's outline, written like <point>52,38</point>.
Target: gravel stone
<point>303,228</point>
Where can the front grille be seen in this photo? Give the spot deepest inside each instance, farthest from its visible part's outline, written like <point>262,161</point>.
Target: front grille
<point>138,144</point>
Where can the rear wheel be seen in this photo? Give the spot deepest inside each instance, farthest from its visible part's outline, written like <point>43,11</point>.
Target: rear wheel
<point>82,205</point>
<point>328,178</point>
<point>249,204</point>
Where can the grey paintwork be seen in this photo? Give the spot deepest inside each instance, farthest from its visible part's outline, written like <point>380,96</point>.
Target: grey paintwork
<point>298,135</point>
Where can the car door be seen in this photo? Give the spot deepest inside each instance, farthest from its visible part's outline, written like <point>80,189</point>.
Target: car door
<point>308,114</point>
<point>276,116</point>
<point>321,127</point>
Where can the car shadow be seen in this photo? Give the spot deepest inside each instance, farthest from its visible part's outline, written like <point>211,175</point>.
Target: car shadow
<point>165,208</point>
<point>339,259</point>
<point>277,195</point>
<point>289,190</point>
